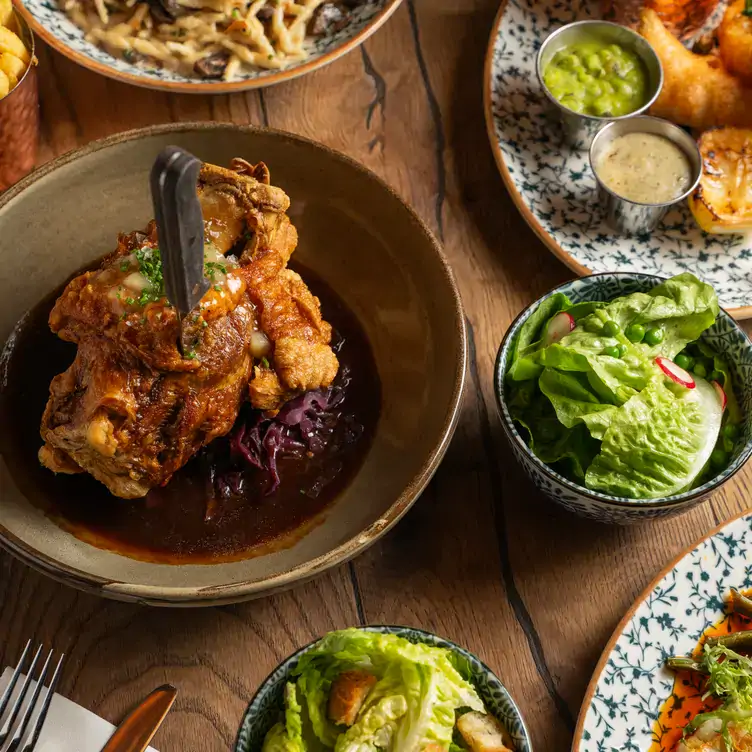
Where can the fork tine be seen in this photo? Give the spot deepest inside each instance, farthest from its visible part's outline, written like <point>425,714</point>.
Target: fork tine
<point>22,722</point>
<point>8,693</point>
<point>16,707</point>
<point>31,737</point>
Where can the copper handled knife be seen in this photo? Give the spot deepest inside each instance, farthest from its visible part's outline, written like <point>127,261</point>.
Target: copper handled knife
<point>140,725</point>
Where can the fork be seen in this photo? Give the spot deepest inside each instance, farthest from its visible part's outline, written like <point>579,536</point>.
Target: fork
<point>22,720</point>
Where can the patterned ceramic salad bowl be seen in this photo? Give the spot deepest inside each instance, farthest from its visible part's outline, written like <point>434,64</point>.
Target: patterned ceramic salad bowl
<point>396,654</point>
<point>615,448</point>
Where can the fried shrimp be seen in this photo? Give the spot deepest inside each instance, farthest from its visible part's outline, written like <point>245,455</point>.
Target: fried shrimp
<point>735,40</point>
<point>697,91</point>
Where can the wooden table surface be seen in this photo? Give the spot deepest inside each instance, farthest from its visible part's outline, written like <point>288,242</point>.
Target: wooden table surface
<point>482,558</point>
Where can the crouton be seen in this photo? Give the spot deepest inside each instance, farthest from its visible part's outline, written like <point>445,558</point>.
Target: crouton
<point>483,733</point>
<point>347,695</point>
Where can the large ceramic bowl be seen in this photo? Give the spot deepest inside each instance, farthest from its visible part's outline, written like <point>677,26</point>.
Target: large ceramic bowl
<point>265,707</point>
<point>357,235</point>
<point>725,336</point>
<point>50,23</point>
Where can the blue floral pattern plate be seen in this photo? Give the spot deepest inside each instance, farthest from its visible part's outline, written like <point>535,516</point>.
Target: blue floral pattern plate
<point>630,683</point>
<point>554,189</point>
<point>49,21</point>
<point>266,707</point>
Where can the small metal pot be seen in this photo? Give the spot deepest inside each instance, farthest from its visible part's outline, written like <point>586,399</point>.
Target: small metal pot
<point>579,130</point>
<point>627,216</point>
<point>19,118</point>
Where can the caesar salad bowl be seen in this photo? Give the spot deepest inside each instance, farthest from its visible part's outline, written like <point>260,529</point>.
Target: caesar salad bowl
<point>725,337</point>
<point>266,708</point>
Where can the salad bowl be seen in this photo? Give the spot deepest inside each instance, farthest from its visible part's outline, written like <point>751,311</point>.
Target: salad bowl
<point>265,708</point>
<point>725,337</point>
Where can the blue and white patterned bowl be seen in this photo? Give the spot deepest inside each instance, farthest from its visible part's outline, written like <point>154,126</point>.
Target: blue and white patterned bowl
<point>726,338</point>
<point>554,188</point>
<point>630,683</point>
<point>50,23</point>
<point>266,707</point>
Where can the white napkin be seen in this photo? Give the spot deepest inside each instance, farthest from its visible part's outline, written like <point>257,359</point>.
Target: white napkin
<point>69,727</point>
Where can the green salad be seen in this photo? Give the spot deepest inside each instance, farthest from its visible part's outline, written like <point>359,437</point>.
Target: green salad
<point>623,397</point>
<point>360,691</point>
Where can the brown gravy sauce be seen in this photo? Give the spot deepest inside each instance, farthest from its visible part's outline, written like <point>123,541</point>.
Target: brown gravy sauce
<point>171,524</point>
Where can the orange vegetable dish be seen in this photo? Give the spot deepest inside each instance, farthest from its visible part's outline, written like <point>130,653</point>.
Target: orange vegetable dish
<point>692,693</point>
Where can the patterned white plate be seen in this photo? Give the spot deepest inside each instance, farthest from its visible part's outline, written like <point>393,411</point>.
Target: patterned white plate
<point>630,684</point>
<point>50,23</point>
<point>554,188</point>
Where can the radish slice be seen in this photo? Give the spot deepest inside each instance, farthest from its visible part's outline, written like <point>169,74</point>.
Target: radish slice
<point>558,327</point>
<point>721,394</point>
<point>675,373</point>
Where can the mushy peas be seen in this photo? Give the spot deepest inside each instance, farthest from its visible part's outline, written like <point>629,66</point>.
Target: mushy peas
<point>645,168</point>
<point>597,78</point>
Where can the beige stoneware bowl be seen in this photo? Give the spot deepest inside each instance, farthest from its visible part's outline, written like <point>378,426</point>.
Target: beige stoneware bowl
<point>357,234</point>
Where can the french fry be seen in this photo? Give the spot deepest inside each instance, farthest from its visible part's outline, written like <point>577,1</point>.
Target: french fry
<point>4,85</point>
<point>6,12</point>
<point>12,44</point>
<point>12,66</point>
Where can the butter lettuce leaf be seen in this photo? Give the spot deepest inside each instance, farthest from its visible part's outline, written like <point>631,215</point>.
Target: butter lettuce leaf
<point>287,736</point>
<point>569,448</point>
<point>376,728</point>
<point>658,443</point>
<point>413,703</point>
<point>528,340</point>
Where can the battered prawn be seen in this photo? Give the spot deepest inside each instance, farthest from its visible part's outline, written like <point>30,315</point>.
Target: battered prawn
<point>697,91</point>
<point>735,40</point>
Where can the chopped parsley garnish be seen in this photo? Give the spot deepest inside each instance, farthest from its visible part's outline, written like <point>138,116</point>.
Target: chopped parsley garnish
<point>204,324</point>
<point>150,265</point>
<point>191,355</point>
<point>213,268</point>
<point>265,362</point>
<point>125,265</point>
<point>235,13</point>
<point>218,288</point>
<point>129,301</point>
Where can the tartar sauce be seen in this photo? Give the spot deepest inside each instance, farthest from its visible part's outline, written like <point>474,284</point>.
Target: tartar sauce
<point>645,168</point>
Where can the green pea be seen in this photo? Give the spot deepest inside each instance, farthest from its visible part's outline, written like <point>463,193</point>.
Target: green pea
<point>623,87</point>
<point>719,458</point>
<point>623,349</point>
<point>728,444</point>
<point>612,352</point>
<point>654,336</point>
<point>717,376</point>
<point>593,64</point>
<point>700,370</point>
<point>684,361</point>
<point>635,333</point>
<point>611,328</point>
<point>731,430</point>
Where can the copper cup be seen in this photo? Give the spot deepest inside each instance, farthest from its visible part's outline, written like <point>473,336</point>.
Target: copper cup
<point>19,117</point>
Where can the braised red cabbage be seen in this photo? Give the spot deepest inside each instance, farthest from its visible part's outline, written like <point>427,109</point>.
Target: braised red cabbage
<point>307,426</point>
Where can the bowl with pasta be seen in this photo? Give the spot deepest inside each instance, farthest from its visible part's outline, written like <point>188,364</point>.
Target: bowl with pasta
<point>205,46</point>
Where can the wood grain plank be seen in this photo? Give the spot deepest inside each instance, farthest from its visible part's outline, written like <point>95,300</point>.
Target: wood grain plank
<point>117,653</point>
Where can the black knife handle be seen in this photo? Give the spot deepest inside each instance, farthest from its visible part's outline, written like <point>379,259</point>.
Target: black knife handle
<point>180,227</point>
